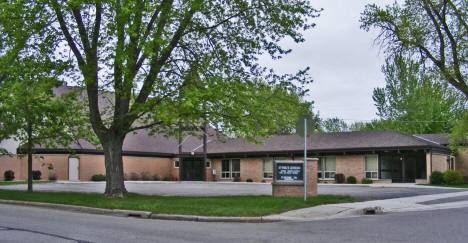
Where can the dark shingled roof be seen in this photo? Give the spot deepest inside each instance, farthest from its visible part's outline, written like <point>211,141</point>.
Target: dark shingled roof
<point>337,141</point>
<point>144,144</point>
<point>440,138</point>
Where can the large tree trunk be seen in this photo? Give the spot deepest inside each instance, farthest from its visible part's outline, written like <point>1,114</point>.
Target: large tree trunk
<point>115,186</point>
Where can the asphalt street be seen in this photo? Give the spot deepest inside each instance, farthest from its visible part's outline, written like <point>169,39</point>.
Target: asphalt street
<point>23,224</point>
<point>220,189</point>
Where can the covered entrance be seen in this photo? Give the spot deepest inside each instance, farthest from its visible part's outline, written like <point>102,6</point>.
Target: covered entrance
<point>403,167</point>
<point>192,169</point>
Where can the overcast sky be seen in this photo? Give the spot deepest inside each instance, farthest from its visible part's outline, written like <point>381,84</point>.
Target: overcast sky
<point>345,64</point>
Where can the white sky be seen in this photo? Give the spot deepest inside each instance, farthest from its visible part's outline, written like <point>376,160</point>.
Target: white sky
<point>344,61</point>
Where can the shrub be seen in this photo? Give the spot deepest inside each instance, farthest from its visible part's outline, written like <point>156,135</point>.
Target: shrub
<point>339,178</point>
<point>465,179</point>
<point>126,177</point>
<point>156,177</point>
<point>98,177</point>
<point>452,177</point>
<point>366,181</point>
<point>134,176</point>
<point>145,176</point>
<point>9,175</point>
<point>36,174</point>
<point>436,178</point>
<point>351,180</point>
<point>249,180</point>
<point>52,176</point>
<point>174,178</point>
<point>166,179</point>
<point>263,181</point>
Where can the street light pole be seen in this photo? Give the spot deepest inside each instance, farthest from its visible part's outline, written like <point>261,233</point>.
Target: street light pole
<point>305,159</point>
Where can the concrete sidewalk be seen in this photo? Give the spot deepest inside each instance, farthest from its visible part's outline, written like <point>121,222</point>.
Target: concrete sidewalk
<point>407,204</point>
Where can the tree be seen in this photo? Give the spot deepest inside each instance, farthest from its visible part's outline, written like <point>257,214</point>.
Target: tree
<point>335,125</point>
<point>434,30</point>
<point>32,114</point>
<point>146,52</point>
<point>415,101</point>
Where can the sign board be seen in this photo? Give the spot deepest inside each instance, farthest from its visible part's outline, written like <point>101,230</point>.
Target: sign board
<point>289,171</point>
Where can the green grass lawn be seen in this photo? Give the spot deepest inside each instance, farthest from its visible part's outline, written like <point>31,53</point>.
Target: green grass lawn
<point>216,206</point>
<point>5,183</point>
<point>454,186</point>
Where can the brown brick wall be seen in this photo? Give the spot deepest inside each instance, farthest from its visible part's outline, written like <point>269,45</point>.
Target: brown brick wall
<point>439,162</point>
<point>461,160</point>
<point>19,165</point>
<point>351,165</point>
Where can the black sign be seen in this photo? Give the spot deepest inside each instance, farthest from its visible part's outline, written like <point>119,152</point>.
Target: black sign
<point>289,171</point>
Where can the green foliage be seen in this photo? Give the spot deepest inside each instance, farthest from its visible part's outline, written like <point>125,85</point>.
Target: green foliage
<point>436,178</point>
<point>36,174</point>
<point>339,178</point>
<point>145,176</point>
<point>134,176</point>
<point>431,30</point>
<point>351,180</point>
<point>465,179</point>
<point>52,176</point>
<point>414,101</point>
<point>459,132</point>
<point>98,177</point>
<point>249,180</point>
<point>452,177</point>
<point>366,181</point>
<point>156,177</point>
<point>335,125</point>
<point>9,175</point>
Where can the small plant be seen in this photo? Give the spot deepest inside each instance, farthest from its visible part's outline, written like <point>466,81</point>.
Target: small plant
<point>436,178</point>
<point>351,180</point>
<point>36,174</point>
<point>126,177</point>
<point>9,175</point>
<point>465,179</point>
<point>50,167</point>
<point>366,181</point>
<point>173,178</point>
<point>98,177</point>
<point>339,178</point>
<point>452,177</point>
<point>263,181</point>
<point>145,176</point>
<point>134,176</point>
<point>156,177</point>
<point>249,180</point>
<point>52,176</point>
<point>237,179</point>
<point>166,179</point>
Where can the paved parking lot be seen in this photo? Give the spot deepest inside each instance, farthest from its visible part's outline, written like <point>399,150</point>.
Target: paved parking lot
<point>221,188</point>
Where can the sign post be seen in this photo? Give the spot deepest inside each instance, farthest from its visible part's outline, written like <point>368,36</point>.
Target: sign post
<point>305,159</point>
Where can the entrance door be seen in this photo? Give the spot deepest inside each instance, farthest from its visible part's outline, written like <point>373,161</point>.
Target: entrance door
<point>73,169</point>
<point>192,169</point>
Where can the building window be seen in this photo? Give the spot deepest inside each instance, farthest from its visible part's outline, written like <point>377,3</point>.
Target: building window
<point>451,164</point>
<point>230,168</point>
<point>268,168</point>
<point>208,164</point>
<point>176,164</point>
<point>327,168</point>
<point>372,166</point>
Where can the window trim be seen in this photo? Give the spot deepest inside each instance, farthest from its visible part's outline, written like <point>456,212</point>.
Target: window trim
<point>207,163</point>
<point>263,168</point>
<point>176,162</point>
<point>372,171</point>
<point>230,168</point>
<point>323,172</point>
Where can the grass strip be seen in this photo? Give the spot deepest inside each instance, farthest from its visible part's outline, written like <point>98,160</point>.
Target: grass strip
<point>452,186</point>
<point>214,206</point>
<point>6,183</point>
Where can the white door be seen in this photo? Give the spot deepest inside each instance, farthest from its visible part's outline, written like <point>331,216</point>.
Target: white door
<point>73,168</point>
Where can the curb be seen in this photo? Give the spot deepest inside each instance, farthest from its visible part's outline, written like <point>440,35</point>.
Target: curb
<point>140,214</point>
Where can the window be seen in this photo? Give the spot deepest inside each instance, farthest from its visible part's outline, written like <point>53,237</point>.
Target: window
<point>372,166</point>
<point>327,168</point>
<point>208,164</point>
<point>176,164</point>
<point>230,168</point>
<point>268,168</point>
<point>451,164</point>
